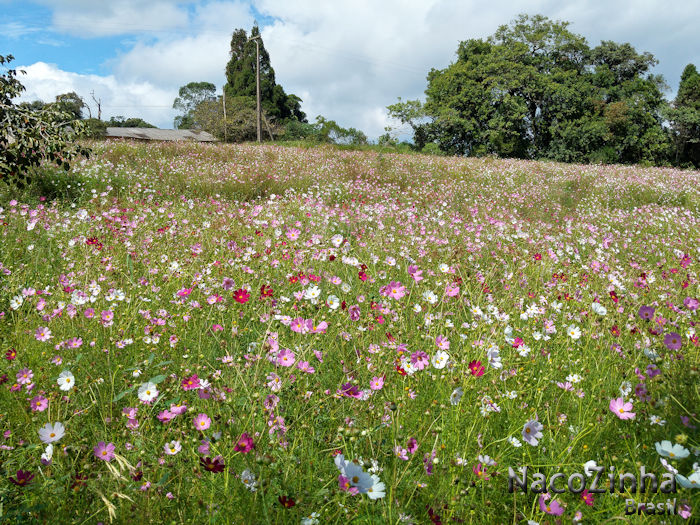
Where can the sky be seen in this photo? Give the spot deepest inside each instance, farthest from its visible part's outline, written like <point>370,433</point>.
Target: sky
<point>347,60</point>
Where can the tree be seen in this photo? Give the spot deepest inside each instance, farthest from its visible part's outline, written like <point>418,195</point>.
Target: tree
<point>684,116</point>
<point>241,119</point>
<point>132,122</point>
<point>189,97</point>
<point>241,79</point>
<point>30,136</point>
<point>536,90</point>
<point>71,103</point>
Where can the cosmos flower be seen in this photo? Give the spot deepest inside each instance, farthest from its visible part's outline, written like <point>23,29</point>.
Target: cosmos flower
<point>621,408</point>
<point>66,380</point>
<point>172,448</point>
<point>50,433</point>
<point>202,422</point>
<point>148,392</point>
<point>673,341</point>
<point>244,444</point>
<point>532,432</point>
<point>104,451</point>
<point>671,450</point>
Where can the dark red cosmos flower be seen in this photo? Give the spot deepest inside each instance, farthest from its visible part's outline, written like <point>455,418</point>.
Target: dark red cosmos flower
<point>286,502</point>
<point>10,354</point>
<point>241,296</point>
<point>614,296</point>
<point>24,478</point>
<point>331,258</point>
<point>615,331</point>
<point>537,256</point>
<point>400,370</point>
<point>266,291</point>
<point>293,279</point>
<point>213,465</point>
<point>78,482</point>
<point>362,275</point>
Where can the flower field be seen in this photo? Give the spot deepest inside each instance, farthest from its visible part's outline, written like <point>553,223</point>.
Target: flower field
<point>259,334</point>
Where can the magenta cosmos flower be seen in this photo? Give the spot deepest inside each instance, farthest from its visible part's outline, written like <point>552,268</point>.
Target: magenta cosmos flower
<point>621,409</point>
<point>673,341</point>
<point>104,451</point>
<point>202,422</point>
<point>244,444</point>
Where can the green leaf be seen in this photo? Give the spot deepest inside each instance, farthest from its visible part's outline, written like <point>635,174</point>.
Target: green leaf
<point>158,379</point>
<point>122,394</point>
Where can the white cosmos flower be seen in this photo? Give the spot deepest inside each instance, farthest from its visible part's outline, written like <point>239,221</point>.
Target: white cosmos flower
<point>671,450</point>
<point>444,268</point>
<point>515,442</point>
<point>588,467</point>
<point>429,296</point>
<point>66,380</point>
<point>599,309</point>
<point>148,392</point>
<point>440,359</point>
<point>456,395</point>
<point>337,240</point>
<point>16,302</point>
<point>47,456</point>
<point>172,448</point>
<point>377,490</point>
<point>52,432</point>
<point>574,332</point>
<point>333,302</point>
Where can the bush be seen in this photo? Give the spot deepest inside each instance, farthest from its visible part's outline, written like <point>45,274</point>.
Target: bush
<point>30,136</point>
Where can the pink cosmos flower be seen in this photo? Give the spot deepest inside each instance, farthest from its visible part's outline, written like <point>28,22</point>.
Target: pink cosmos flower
<point>42,333</point>
<point>24,376</point>
<point>394,289</point>
<point>414,272</point>
<point>298,325</point>
<point>285,357</point>
<point>452,290</point>
<point>550,506</point>
<point>345,486</point>
<point>401,452</point>
<point>202,422</point>
<point>39,403</point>
<point>104,451</point>
<point>377,383</point>
<point>305,366</point>
<point>420,359</point>
<point>621,409</point>
<point>412,445</point>
<point>317,329</point>
<point>442,343</point>
<point>184,292</point>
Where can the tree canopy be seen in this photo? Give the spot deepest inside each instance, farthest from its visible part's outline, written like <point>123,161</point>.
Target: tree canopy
<point>534,89</point>
<point>189,97</point>
<point>241,79</point>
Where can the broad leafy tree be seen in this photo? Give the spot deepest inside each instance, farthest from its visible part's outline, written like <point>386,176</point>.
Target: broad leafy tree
<point>536,90</point>
<point>30,136</point>
<point>189,97</point>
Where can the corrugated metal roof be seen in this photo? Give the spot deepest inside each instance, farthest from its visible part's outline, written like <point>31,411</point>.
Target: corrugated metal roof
<point>160,134</point>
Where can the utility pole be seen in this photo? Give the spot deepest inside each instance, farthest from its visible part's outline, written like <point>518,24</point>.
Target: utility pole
<point>223,98</point>
<point>257,82</point>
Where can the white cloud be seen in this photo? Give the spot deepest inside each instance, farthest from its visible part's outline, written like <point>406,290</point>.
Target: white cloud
<point>91,18</point>
<point>130,99</point>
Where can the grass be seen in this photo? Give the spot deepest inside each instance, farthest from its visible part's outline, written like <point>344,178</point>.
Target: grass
<point>137,262</point>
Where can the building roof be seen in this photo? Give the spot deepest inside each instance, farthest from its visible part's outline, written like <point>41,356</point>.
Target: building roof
<point>159,134</point>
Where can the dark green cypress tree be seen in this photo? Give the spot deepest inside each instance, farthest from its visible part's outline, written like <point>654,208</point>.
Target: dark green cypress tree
<point>240,77</point>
